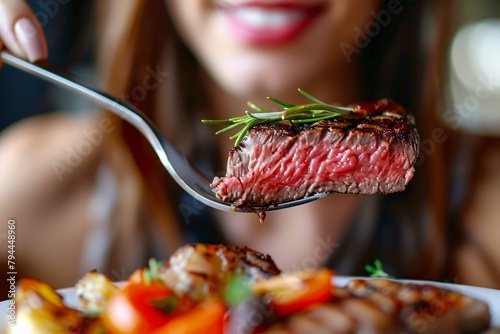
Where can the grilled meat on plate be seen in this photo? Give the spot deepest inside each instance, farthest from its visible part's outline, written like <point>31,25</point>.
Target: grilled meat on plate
<point>201,271</point>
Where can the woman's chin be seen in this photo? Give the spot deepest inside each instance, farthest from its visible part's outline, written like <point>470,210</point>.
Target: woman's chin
<point>260,74</point>
<point>260,87</point>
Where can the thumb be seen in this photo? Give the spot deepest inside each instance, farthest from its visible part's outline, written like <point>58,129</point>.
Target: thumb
<point>20,31</point>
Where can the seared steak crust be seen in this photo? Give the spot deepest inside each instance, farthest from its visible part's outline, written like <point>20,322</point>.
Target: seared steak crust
<point>371,151</point>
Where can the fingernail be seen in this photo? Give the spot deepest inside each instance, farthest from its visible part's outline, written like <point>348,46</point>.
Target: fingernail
<point>30,39</point>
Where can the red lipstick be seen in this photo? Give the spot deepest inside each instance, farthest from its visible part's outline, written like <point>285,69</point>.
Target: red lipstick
<point>268,23</point>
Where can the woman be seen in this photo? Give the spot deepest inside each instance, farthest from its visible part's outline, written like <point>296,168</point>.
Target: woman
<point>181,62</point>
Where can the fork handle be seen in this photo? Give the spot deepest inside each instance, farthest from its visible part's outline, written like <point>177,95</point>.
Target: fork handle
<point>69,81</point>
<point>129,113</point>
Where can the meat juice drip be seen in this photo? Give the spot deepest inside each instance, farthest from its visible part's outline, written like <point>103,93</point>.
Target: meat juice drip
<point>261,213</point>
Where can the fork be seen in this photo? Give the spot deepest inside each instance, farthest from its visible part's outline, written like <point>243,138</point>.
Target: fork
<point>182,171</point>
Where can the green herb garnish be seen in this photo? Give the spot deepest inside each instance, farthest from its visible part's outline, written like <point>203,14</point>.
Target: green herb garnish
<point>299,114</point>
<point>151,273</point>
<point>377,271</point>
<point>92,313</point>
<point>237,290</point>
<point>167,305</point>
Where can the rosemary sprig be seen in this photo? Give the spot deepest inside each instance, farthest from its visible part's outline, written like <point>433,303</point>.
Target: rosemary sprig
<point>377,270</point>
<point>312,112</point>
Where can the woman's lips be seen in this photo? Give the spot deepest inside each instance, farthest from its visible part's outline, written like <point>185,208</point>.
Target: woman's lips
<point>270,23</point>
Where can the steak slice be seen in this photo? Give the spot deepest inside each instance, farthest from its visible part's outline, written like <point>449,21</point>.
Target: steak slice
<point>370,151</point>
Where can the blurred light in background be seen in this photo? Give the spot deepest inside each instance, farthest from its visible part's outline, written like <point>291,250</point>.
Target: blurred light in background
<point>474,78</point>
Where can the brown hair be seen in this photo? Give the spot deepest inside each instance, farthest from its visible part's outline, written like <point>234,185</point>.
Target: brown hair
<point>407,65</point>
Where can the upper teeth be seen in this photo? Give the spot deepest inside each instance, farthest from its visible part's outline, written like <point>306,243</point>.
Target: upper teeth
<point>267,18</point>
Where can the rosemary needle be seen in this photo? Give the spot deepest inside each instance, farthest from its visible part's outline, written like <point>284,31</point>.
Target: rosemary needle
<point>312,112</point>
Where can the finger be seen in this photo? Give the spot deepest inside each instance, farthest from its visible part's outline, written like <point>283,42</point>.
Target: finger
<point>20,31</point>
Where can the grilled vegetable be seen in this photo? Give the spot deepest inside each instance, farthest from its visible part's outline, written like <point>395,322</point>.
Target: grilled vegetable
<point>295,292</point>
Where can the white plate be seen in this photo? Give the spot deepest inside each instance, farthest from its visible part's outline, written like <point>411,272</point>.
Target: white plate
<point>490,296</point>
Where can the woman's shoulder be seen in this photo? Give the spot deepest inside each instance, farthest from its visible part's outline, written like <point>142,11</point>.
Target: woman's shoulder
<point>54,130</point>
<point>57,183</point>
<point>49,149</point>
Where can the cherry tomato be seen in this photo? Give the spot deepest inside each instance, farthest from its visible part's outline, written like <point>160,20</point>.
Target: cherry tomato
<point>133,309</point>
<point>207,317</point>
